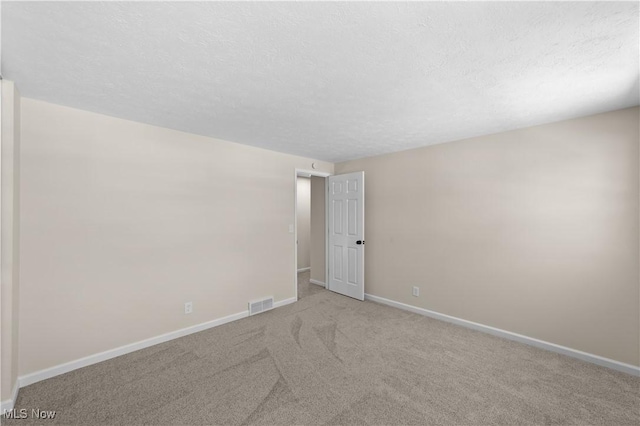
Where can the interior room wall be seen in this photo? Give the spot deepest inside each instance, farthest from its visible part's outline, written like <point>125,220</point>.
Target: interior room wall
<point>318,226</point>
<point>304,222</point>
<point>533,231</point>
<point>123,222</point>
<point>10,251</point>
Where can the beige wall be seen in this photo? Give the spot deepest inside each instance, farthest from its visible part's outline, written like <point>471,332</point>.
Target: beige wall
<point>534,231</point>
<point>9,291</point>
<point>318,236</point>
<point>304,222</point>
<point>123,222</point>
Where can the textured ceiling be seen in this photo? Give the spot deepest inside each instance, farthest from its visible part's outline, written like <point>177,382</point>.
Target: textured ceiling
<point>333,81</point>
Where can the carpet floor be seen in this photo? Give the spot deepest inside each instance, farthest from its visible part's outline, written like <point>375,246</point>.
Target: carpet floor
<point>329,359</point>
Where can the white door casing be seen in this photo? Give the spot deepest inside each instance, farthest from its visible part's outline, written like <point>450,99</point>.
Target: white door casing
<point>346,234</point>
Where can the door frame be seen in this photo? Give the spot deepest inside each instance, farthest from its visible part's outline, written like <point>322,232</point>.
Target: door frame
<point>309,173</point>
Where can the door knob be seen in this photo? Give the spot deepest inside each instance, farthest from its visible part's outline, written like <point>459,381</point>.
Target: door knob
<point>360,242</point>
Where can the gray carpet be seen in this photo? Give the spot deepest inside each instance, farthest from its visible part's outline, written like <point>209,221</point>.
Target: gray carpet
<point>328,359</point>
<point>305,288</point>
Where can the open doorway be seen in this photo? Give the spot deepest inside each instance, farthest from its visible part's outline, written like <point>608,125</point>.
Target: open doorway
<point>335,239</point>
<point>310,232</point>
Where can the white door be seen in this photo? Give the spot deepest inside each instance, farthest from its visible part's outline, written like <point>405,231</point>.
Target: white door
<point>346,234</point>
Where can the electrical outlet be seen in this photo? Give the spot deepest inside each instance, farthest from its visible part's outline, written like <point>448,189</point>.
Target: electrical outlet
<point>188,307</point>
<point>416,291</point>
<point>291,229</point>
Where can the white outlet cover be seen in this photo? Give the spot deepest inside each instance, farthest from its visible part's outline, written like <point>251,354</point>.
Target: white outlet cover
<point>291,230</point>
<point>416,291</point>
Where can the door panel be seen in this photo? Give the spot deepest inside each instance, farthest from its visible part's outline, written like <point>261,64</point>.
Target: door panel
<point>337,214</point>
<point>346,234</point>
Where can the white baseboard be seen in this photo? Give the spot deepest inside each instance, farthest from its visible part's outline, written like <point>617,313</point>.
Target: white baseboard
<point>285,302</point>
<point>304,269</point>
<point>47,373</point>
<point>584,356</point>
<point>8,404</point>
<point>312,281</point>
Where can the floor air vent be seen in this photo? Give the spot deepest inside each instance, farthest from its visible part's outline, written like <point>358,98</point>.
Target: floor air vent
<point>258,306</point>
